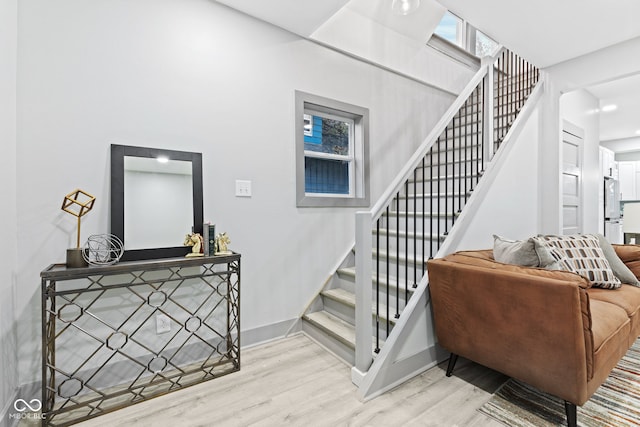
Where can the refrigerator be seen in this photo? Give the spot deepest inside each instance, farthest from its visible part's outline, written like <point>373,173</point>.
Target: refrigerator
<point>612,219</point>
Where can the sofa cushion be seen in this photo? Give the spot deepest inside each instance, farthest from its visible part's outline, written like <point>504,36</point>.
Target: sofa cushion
<point>627,298</point>
<point>606,319</point>
<point>583,255</point>
<point>610,326</point>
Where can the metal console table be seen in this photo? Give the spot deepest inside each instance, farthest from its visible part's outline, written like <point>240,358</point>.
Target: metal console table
<point>116,335</point>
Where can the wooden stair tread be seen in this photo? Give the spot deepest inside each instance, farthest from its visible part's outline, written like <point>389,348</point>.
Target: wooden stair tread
<point>334,326</point>
<point>350,274</point>
<point>337,328</point>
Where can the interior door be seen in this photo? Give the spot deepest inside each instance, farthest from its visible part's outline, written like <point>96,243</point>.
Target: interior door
<point>571,180</point>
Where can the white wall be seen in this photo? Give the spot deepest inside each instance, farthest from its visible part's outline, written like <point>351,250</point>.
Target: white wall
<point>192,75</point>
<point>579,108</point>
<point>364,37</point>
<point>8,235</point>
<point>510,206</point>
<point>604,65</point>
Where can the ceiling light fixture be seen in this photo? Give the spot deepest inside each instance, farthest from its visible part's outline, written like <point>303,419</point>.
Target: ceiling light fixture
<point>162,159</point>
<point>404,7</point>
<point>638,132</point>
<point>610,107</point>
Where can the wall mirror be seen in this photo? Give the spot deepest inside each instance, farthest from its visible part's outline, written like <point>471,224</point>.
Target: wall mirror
<point>156,199</point>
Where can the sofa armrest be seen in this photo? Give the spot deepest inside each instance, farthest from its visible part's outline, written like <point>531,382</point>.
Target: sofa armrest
<point>533,327</point>
<point>630,255</point>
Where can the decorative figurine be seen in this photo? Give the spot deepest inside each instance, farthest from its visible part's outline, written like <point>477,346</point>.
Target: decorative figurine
<point>222,240</point>
<point>78,203</point>
<point>194,240</point>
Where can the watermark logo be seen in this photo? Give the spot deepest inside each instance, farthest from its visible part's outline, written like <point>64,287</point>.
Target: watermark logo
<point>21,405</point>
<point>27,410</point>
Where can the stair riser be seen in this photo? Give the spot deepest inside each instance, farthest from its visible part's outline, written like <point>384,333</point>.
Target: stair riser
<point>453,167</point>
<point>411,223</point>
<point>462,139</point>
<point>341,350</point>
<point>507,106</point>
<point>429,204</point>
<point>347,313</point>
<point>403,245</point>
<point>392,291</point>
<point>474,138</point>
<point>442,185</point>
<point>346,283</point>
<point>405,272</point>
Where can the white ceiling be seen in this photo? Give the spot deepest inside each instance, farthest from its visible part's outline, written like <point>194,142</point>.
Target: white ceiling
<point>624,122</point>
<point>549,32</point>
<point>302,17</point>
<point>545,32</point>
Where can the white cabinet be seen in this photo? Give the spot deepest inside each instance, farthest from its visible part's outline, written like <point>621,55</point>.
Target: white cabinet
<point>628,177</point>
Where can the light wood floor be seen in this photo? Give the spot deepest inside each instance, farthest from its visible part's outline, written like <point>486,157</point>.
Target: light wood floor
<point>295,382</point>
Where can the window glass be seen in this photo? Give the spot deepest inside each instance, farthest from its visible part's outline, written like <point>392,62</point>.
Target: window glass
<point>327,135</point>
<point>450,28</point>
<point>328,142</point>
<point>326,176</point>
<point>484,44</point>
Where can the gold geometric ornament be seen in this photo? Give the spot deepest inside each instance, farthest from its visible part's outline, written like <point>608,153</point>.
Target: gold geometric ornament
<point>78,203</point>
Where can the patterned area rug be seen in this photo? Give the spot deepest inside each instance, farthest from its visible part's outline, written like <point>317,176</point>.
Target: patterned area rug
<point>615,403</point>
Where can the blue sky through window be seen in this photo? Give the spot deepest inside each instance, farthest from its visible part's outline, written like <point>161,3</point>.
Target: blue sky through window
<point>448,27</point>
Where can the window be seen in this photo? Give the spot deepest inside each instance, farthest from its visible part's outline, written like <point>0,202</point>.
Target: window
<point>451,28</point>
<point>485,45</point>
<point>331,149</point>
<point>459,32</point>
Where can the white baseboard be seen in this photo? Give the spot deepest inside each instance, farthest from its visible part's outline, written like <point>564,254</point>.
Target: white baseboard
<point>264,334</point>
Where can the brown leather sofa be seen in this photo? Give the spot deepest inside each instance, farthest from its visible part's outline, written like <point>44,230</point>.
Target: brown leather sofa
<point>549,329</point>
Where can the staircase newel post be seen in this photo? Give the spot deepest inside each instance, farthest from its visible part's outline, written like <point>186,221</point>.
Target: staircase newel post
<point>364,291</point>
<point>488,110</point>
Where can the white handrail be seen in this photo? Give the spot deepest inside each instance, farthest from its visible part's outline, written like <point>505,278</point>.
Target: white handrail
<point>431,139</point>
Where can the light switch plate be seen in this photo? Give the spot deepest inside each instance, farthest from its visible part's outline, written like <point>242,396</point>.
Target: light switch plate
<point>243,188</point>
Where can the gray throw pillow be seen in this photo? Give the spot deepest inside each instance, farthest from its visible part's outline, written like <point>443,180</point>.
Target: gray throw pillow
<point>518,252</point>
<point>619,268</point>
<point>547,261</point>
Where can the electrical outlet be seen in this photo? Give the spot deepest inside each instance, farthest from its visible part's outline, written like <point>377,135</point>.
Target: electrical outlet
<point>163,324</point>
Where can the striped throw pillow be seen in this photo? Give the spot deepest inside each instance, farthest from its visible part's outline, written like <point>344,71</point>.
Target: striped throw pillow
<point>583,255</point>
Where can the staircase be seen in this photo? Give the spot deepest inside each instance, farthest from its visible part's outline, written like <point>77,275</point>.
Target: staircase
<point>411,222</point>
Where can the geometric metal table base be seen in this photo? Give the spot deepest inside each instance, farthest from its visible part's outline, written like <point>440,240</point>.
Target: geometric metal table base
<point>102,346</point>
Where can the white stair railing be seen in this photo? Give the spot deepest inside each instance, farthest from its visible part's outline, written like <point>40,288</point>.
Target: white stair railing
<point>469,129</point>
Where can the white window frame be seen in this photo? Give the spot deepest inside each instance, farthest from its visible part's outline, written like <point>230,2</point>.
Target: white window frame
<point>308,131</point>
<point>358,157</point>
<point>466,36</point>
